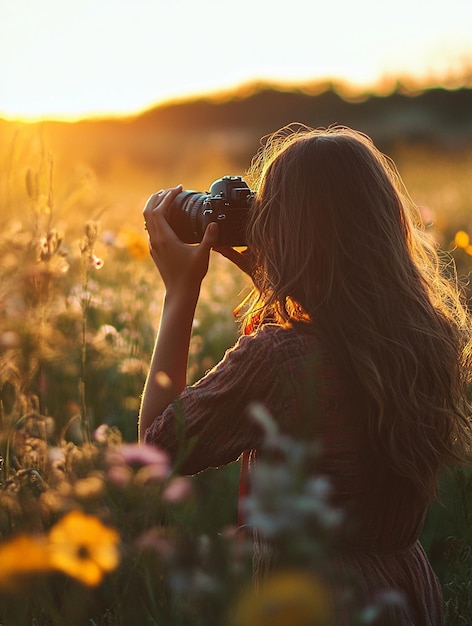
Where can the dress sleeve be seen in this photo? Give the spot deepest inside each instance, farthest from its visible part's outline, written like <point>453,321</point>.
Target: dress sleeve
<point>213,413</point>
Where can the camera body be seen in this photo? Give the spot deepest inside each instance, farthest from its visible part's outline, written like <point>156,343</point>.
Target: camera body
<point>227,203</point>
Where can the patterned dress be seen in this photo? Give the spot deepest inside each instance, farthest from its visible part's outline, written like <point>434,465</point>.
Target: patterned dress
<point>288,371</point>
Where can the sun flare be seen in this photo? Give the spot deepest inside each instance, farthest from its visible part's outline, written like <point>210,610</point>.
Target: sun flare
<point>107,59</point>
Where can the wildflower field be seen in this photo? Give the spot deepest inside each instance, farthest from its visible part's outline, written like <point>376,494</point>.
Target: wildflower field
<point>97,530</point>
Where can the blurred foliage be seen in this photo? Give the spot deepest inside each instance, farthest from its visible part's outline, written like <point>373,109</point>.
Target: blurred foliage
<point>79,307</point>
<point>105,533</point>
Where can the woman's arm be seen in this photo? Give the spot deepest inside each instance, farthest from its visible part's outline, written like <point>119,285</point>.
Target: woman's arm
<point>218,423</point>
<point>182,268</point>
<point>167,374</point>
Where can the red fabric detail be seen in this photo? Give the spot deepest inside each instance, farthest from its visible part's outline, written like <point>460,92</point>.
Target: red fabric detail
<point>244,487</point>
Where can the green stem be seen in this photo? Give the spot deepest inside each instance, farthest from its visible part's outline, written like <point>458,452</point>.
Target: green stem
<point>85,427</point>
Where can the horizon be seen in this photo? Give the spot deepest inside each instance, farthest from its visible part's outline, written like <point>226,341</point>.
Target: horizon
<point>118,58</point>
<point>383,88</point>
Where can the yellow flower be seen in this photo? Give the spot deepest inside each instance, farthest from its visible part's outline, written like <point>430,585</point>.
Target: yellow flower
<point>21,557</point>
<point>135,242</point>
<point>83,548</point>
<point>287,598</point>
<point>462,239</point>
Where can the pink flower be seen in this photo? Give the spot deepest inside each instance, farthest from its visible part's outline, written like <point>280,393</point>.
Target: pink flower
<point>179,489</point>
<point>154,463</point>
<point>119,475</point>
<point>157,539</point>
<point>143,454</point>
<point>101,433</point>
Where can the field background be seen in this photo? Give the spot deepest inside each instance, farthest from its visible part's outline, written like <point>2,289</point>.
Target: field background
<point>77,337</point>
<point>115,164</point>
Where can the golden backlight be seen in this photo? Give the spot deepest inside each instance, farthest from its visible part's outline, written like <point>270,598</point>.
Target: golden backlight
<point>70,60</point>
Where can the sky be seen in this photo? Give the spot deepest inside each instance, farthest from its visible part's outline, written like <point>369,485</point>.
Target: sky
<point>69,59</point>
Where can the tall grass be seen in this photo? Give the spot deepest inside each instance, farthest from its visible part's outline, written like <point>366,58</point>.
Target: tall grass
<point>79,308</point>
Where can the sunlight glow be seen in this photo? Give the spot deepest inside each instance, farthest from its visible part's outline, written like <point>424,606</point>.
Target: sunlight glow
<point>87,59</point>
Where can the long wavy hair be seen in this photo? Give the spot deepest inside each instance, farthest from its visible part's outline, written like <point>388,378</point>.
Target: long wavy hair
<point>339,247</point>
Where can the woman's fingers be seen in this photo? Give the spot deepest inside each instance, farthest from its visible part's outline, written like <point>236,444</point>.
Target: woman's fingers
<point>210,236</point>
<point>156,211</point>
<point>181,266</point>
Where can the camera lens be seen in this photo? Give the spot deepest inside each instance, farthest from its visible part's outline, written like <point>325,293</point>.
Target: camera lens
<point>227,203</point>
<point>185,216</point>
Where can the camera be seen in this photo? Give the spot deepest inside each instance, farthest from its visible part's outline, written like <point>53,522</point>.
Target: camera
<point>227,203</point>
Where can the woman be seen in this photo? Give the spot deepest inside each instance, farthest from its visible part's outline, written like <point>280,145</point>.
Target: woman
<point>355,339</point>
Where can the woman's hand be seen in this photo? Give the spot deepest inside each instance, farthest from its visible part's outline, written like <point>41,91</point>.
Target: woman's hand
<point>181,266</point>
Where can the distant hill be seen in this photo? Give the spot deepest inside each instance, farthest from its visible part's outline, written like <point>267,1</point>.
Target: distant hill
<point>161,135</point>
<point>437,114</point>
